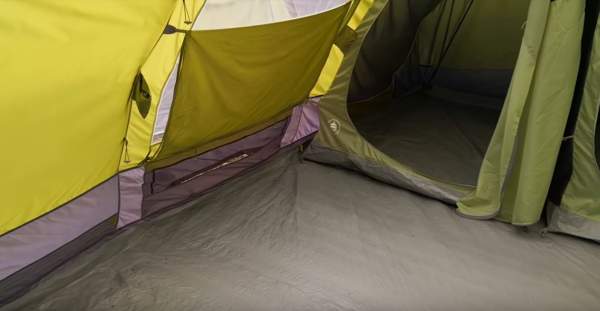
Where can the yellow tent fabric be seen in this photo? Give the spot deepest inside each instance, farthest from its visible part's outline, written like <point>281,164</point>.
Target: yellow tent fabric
<point>357,11</point>
<point>235,79</point>
<point>67,72</point>
<point>156,71</point>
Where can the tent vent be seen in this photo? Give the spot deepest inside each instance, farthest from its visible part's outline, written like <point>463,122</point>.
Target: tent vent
<point>195,175</point>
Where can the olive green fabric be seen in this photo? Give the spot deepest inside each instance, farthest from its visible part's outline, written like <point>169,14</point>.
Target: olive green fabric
<point>343,143</point>
<point>517,170</point>
<point>488,38</point>
<point>235,79</point>
<point>424,28</point>
<point>579,210</point>
<point>387,46</point>
<point>339,134</point>
<point>468,46</point>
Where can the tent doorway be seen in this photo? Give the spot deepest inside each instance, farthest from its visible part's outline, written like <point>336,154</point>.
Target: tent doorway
<point>428,86</point>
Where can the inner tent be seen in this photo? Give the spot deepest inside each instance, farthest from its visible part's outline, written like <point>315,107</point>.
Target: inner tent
<point>430,81</point>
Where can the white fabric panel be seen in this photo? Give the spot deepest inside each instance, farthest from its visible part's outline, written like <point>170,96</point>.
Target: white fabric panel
<point>164,105</point>
<point>220,14</point>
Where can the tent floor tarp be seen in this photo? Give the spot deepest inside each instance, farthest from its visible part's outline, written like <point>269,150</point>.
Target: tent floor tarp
<point>274,240</point>
<point>439,138</point>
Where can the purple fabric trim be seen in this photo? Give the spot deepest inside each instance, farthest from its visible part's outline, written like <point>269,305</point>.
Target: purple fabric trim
<point>163,178</point>
<point>303,122</point>
<point>130,193</point>
<point>44,235</point>
<point>19,282</point>
<point>187,179</point>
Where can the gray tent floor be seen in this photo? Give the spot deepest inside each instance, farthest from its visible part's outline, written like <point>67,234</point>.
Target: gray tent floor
<point>302,236</point>
<point>442,139</point>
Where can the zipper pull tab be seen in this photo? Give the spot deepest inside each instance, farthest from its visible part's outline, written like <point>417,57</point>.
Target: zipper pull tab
<point>188,19</point>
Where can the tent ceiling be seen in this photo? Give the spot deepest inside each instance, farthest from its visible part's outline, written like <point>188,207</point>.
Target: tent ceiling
<point>220,14</point>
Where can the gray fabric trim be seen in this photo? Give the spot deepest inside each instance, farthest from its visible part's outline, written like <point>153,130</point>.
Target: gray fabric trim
<point>35,240</point>
<point>130,195</point>
<point>562,220</point>
<point>21,281</point>
<point>322,154</point>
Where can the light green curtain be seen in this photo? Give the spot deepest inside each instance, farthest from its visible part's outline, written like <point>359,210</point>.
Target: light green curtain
<point>579,210</point>
<point>519,163</point>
